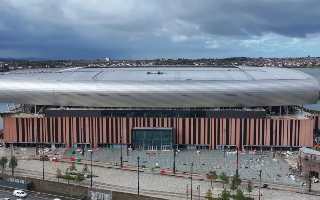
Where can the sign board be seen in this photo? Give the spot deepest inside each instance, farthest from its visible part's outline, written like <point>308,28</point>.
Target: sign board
<point>15,182</point>
<point>98,195</point>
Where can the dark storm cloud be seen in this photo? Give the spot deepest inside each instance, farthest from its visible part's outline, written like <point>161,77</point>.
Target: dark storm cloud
<point>247,17</point>
<point>157,28</point>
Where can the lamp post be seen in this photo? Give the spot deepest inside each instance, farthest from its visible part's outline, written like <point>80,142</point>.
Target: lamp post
<point>191,172</point>
<point>174,159</point>
<point>138,158</point>
<point>11,149</point>
<point>121,155</point>
<point>237,170</point>
<point>91,182</point>
<point>309,180</point>
<point>260,171</point>
<point>42,161</point>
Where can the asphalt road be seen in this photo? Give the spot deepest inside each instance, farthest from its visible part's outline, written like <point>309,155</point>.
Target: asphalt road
<point>4,193</point>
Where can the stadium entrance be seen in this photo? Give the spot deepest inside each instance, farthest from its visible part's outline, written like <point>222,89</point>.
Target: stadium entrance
<point>153,138</point>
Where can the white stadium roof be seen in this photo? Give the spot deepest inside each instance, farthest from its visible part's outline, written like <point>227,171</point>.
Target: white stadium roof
<point>159,87</point>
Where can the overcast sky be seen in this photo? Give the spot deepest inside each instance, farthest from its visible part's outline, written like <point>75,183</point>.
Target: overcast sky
<point>159,28</point>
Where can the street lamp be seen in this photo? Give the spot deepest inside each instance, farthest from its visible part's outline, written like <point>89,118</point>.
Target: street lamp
<point>42,161</point>
<point>191,172</point>
<point>11,145</point>
<point>237,170</point>
<point>121,156</point>
<point>309,180</point>
<point>260,171</point>
<point>138,158</point>
<point>174,159</point>
<point>91,152</point>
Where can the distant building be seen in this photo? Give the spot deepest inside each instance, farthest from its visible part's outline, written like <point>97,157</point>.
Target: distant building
<point>3,67</point>
<point>309,162</point>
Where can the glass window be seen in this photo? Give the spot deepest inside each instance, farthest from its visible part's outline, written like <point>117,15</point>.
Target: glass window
<point>157,137</point>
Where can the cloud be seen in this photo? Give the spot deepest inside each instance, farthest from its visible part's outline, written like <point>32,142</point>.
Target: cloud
<point>158,28</point>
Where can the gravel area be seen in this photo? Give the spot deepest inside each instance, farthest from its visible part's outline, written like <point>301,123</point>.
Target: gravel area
<point>128,179</point>
<point>203,161</point>
<point>274,169</point>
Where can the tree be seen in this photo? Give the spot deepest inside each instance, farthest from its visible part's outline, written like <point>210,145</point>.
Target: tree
<point>3,163</point>
<point>239,195</point>
<point>224,178</point>
<point>249,187</point>
<point>235,182</point>
<point>209,195</point>
<point>79,177</point>
<point>13,164</point>
<point>59,173</point>
<point>225,195</point>
<point>73,167</point>
<point>212,175</point>
<point>85,169</point>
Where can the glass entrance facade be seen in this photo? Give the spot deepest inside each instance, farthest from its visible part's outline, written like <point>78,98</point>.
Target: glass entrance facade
<point>153,138</point>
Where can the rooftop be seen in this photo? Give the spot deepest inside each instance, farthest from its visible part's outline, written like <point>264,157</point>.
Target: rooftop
<point>159,87</point>
<point>310,151</point>
<point>163,73</point>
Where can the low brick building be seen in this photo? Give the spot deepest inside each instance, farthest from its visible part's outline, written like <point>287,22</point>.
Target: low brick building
<point>309,161</point>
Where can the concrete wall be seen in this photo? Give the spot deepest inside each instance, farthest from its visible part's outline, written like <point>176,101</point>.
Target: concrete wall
<point>59,188</point>
<point>77,191</point>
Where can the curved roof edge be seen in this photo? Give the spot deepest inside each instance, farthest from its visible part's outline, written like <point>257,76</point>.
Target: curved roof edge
<point>160,87</point>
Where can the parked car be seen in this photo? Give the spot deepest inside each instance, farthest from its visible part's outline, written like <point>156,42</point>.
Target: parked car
<point>19,193</point>
<point>54,159</point>
<point>4,198</point>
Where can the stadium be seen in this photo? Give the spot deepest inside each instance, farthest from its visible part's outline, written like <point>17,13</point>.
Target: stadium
<point>160,107</point>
